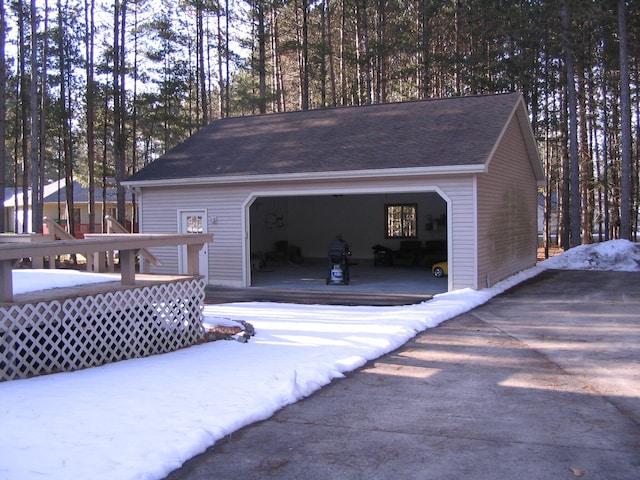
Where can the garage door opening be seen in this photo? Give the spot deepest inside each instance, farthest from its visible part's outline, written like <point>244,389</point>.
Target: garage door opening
<point>289,236</point>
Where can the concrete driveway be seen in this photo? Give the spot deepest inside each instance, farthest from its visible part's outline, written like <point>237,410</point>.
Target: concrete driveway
<point>542,382</point>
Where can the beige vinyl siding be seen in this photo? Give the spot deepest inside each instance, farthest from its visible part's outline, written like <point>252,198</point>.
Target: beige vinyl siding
<point>161,209</point>
<point>462,236</point>
<point>506,211</point>
<point>227,264</point>
<point>159,220</point>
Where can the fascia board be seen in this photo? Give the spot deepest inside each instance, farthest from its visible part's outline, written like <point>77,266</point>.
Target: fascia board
<point>293,177</point>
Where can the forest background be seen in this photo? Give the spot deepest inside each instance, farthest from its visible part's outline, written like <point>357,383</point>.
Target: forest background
<point>93,90</point>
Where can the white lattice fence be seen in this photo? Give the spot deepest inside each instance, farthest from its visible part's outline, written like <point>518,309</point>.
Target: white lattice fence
<point>86,331</point>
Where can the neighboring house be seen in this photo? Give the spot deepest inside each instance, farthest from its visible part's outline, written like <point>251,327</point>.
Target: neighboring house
<point>461,170</point>
<point>55,207</point>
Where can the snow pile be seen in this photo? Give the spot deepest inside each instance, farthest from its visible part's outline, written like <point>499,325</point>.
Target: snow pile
<point>618,255</point>
<point>143,418</point>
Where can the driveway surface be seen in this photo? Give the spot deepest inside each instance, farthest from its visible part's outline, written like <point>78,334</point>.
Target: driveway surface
<point>542,382</point>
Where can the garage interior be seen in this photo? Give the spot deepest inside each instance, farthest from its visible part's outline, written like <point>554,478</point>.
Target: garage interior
<point>289,237</point>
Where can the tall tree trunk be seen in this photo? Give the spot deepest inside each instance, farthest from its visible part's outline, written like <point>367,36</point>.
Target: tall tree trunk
<point>323,54</point>
<point>119,95</point>
<point>381,54</point>
<point>43,117</point>
<point>365,54</point>
<point>227,72</point>
<point>586,160</point>
<point>305,55</point>
<point>65,114</point>
<point>343,66</point>
<point>23,119</point>
<point>134,121</point>
<point>635,184</point>
<point>359,82</point>
<point>547,168</point>
<point>574,202</point>
<point>548,157</point>
<point>594,136</point>
<point>332,68</point>
<point>34,171</point>
<point>262,58</point>
<point>224,53</point>
<point>564,181</point>
<point>90,96</point>
<point>425,13</point>
<point>105,159</point>
<point>204,97</point>
<point>221,54</point>
<point>3,109</point>
<point>299,55</point>
<point>278,79</point>
<point>625,127</point>
<point>605,151</point>
<point>458,47</point>
<point>117,110</point>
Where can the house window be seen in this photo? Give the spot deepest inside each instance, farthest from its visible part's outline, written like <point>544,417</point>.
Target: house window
<point>401,220</point>
<point>76,216</point>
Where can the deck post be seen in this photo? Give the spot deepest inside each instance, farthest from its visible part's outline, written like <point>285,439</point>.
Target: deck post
<point>6,281</point>
<point>193,260</point>
<point>128,267</point>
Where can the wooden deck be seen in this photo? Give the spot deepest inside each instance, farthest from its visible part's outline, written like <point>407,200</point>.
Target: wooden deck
<point>69,328</point>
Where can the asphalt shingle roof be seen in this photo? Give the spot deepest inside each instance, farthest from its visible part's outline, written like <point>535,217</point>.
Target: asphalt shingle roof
<point>458,131</point>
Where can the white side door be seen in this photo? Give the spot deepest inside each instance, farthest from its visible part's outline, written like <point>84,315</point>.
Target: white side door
<point>194,221</point>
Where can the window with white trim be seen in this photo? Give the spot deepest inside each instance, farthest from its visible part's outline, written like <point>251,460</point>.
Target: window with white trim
<point>401,220</point>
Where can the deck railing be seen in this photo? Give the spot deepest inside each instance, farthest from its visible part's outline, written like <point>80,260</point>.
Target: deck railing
<point>66,329</point>
<point>114,322</point>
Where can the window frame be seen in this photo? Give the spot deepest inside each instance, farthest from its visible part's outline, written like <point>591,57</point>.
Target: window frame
<point>404,228</point>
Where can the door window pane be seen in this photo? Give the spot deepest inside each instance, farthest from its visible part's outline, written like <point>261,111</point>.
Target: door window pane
<point>194,224</point>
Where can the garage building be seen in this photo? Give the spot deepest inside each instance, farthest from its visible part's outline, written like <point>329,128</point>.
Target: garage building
<point>451,179</point>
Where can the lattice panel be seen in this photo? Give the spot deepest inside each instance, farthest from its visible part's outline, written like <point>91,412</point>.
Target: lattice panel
<point>81,332</point>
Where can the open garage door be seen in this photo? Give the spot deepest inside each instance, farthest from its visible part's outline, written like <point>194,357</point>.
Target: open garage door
<point>291,233</point>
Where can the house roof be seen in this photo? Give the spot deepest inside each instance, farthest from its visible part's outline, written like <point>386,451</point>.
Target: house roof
<point>81,193</point>
<point>440,135</point>
<point>57,191</point>
<point>10,192</point>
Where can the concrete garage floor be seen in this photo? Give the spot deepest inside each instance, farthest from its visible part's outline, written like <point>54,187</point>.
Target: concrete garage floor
<point>306,283</point>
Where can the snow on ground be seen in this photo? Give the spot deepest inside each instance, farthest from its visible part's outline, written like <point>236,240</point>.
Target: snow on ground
<point>619,255</point>
<point>142,418</point>
<point>26,280</point>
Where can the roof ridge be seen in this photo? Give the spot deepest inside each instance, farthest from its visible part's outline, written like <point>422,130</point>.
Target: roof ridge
<point>367,105</point>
